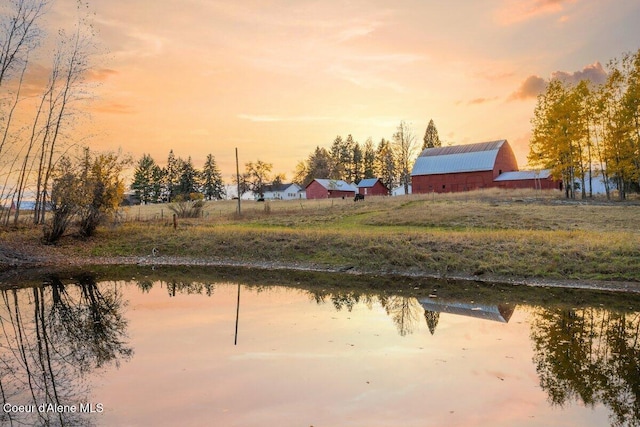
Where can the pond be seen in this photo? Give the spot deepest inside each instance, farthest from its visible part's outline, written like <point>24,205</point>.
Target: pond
<point>253,348</point>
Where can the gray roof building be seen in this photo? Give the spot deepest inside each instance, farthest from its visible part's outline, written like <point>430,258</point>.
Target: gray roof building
<point>458,158</point>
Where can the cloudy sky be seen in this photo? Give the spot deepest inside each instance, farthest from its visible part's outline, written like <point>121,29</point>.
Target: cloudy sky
<point>276,78</point>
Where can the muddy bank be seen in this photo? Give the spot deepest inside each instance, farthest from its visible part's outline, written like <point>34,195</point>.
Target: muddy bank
<point>15,263</point>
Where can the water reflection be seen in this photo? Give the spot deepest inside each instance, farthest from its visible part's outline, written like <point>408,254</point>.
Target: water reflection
<point>310,338</point>
<point>592,356</point>
<point>53,335</point>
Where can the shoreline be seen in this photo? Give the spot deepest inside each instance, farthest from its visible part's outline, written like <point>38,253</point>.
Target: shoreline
<point>493,237</point>
<point>61,262</point>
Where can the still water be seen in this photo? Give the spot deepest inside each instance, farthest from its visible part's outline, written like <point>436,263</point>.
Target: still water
<point>151,350</point>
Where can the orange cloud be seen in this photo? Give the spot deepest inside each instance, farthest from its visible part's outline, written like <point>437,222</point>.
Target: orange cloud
<point>114,108</point>
<point>515,11</point>
<point>100,74</point>
<point>478,101</point>
<point>530,88</point>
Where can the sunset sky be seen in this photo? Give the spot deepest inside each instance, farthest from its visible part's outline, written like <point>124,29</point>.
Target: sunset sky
<point>278,78</point>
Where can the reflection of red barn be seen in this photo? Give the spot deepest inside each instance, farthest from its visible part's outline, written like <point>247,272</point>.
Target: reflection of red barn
<point>470,167</point>
<point>372,187</point>
<point>329,189</point>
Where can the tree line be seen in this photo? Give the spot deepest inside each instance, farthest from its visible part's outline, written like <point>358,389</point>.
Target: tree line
<point>585,130</point>
<point>178,180</point>
<point>390,160</point>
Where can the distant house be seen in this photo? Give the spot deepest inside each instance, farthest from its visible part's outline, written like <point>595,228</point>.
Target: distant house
<point>329,189</point>
<point>283,192</point>
<point>539,180</point>
<point>399,190</point>
<point>372,187</point>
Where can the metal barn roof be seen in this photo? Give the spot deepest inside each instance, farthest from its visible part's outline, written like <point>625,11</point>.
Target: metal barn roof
<point>368,182</point>
<point>522,175</point>
<point>458,158</point>
<point>335,184</point>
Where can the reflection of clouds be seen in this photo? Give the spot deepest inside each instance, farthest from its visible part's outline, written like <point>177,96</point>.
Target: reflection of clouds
<point>280,356</point>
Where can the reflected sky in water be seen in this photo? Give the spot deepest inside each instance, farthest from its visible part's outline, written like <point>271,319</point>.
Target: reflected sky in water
<point>301,363</point>
<point>305,360</point>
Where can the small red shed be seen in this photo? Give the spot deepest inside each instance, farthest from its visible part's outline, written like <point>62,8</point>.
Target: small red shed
<point>329,189</point>
<point>539,180</point>
<point>372,187</point>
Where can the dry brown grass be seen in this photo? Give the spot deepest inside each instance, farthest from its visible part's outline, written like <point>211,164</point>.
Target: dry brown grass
<point>524,234</point>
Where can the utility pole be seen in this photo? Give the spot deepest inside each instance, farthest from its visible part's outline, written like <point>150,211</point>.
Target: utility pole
<point>238,181</point>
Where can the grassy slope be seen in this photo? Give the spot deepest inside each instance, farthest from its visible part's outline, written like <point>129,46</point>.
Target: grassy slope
<point>491,234</point>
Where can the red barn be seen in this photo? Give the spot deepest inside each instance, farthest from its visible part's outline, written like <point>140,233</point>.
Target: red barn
<point>372,187</point>
<point>539,180</point>
<point>329,189</point>
<point>462,167</point>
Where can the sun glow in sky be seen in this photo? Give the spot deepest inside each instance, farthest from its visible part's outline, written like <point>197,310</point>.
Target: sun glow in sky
<point>278,78</point>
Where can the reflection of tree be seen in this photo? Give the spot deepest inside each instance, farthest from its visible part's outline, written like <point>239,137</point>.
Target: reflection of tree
<point>347,301</point>
<point>432,318</point>
<point>405,312</point>
<point>89,323</point>
<point>52,335</point>
<point>190,288</point>
<point>592,356</point>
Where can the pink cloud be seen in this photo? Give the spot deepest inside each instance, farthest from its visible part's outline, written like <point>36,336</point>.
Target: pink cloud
<point>592,72</point>
<point>100,74</point>
<point>530,88</point>
<point>114,108</point>
<point>515,11</point>
<point>478,101</point>
<point>535,85</point>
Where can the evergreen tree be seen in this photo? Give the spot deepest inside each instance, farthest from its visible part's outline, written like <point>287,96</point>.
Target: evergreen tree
<point>171,175</point>
<point>211,180</point>
<point>385,164</point>
<point>338,168</point>
<point>369,160</point>
<point>346,158</point>
<point>318,165</point>
<point>145,179</point>
<point>187,179</point>
<point>431,138</point>
<point>357,163</point>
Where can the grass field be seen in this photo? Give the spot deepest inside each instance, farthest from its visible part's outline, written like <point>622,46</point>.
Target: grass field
<point>488,234</point>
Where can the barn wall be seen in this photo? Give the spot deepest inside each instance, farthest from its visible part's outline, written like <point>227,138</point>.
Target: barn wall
<point>378,189</point>
<point>446,183</point>
<point>337,194</point>
<point>316,191</point>
<point>505,161</point>
<point>540,184</point>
